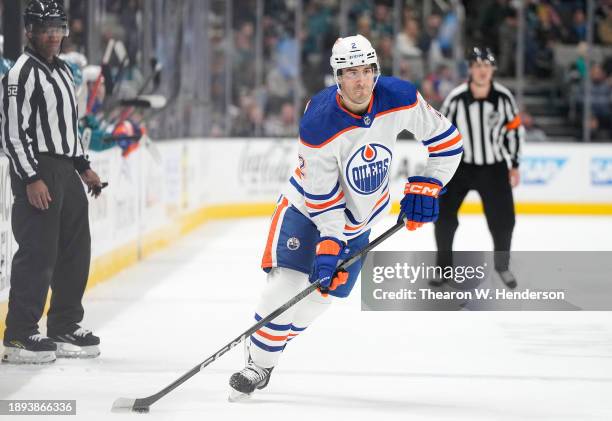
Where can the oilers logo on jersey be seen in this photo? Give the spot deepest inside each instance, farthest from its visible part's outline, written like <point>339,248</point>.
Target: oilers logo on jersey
<point>367,169</point>
<point>293,243</point>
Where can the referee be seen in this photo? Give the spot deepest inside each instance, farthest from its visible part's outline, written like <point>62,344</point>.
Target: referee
<point>485,113</point>
<point>49,215</point>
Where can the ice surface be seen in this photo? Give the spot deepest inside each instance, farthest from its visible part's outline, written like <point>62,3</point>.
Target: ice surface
<point>162,317</point>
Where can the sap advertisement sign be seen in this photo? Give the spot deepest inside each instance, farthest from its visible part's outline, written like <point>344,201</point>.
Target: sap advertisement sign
<point>567,173</point>
<point>541,169</point>
<point>550,172</point>
<point>601,171</point>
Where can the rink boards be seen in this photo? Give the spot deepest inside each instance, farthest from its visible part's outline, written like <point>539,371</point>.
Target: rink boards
<point>158,193</point>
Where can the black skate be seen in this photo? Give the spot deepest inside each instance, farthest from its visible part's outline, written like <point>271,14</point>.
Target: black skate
<point>437,281</point>
<point>34,349</point>
<point>247,380</point>
<point>507,278</point>
<point>80,343</point>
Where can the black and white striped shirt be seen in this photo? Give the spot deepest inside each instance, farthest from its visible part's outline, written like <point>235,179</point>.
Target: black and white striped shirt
<point>491,127</point>
<point>39,114</point>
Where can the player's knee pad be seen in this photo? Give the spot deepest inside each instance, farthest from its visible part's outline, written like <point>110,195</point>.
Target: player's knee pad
<point>307,310</point>
<point>282,285</point>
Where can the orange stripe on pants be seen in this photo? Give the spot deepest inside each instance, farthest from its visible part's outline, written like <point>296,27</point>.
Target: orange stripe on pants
<point>266,261</point>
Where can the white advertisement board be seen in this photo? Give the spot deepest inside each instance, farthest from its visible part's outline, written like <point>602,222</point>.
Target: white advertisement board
<point>256,171</point>
<point>151,188</point>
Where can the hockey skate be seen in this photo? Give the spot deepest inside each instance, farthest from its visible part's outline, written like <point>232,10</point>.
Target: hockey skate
<point>80,343</point>
<point>246,381</point>
<point>436,281</point>
<point>34,349</point>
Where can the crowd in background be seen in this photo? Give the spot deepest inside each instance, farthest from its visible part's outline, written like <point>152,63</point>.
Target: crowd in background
<point>425,50</point>
<point>267,96</point>
<point>555,49</point>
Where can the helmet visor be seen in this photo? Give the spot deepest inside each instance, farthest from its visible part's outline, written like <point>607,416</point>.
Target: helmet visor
<point>51,29</point>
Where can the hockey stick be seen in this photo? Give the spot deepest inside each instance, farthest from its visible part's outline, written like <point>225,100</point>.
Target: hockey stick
<point>156,67</point>
<point>144,101</point>
<point>111,139</point>
<point>127,112</point>
<point>105,59</point>
<point>111,83</point>
<point>144,404</point>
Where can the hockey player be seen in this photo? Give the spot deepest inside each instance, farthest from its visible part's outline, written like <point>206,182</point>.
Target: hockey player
<point>339,190</point>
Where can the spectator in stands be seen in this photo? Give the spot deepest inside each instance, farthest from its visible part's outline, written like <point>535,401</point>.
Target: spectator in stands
<point>604,24</point>
<point>318,23</point>
<point>533,133</point>
<point>448,33</point>
<point>281,71</point>
<point>364,26</point>
<point>438,85</point>
<point>358,9</point>
<point>385,54</point>
<point>381,24</point>
<point>578,68</point>
<point>507,43</point>
<point>429,43</point>
<point>550,25</point>
<point>430,34</point>
<point>281,124</point>
<point>578,28</point>
<point>491,18</point>
<point>545,60</point>
<point>244,57</point>
<point>129,18</point>
<point>406,42</point>
<point>77,33</point>
<point>607,65</point>
<point>601,95</point>
<point>245,118</point>
<point>411,64</point>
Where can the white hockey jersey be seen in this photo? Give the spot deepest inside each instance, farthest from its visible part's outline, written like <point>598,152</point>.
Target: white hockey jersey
<point>342,180</point>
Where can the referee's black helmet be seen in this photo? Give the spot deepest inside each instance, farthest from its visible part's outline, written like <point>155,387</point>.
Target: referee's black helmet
<point>45,12</point>
<point>481,54</point>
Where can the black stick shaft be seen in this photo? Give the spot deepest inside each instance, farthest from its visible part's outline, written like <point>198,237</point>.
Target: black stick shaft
<point>110,139</point>
<point>145,402</point>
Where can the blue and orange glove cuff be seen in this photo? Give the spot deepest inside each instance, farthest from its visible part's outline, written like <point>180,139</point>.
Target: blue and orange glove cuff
<point>426,186</point>
<point>329,245</point>
<point>340,278</point>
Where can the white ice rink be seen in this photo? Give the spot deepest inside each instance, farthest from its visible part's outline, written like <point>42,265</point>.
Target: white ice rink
<point>162,317</point>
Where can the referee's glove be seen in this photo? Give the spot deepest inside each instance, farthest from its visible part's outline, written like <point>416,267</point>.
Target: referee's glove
<point>420,203</point>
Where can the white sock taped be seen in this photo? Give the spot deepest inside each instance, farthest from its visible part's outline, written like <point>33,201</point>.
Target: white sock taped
<point>268,343</point>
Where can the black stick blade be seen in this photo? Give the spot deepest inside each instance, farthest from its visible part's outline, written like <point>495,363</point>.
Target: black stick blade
<point>145,101</point>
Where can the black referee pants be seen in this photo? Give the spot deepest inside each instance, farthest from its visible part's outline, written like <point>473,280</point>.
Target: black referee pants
<point>54,251</point>
<point>493,185</point>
